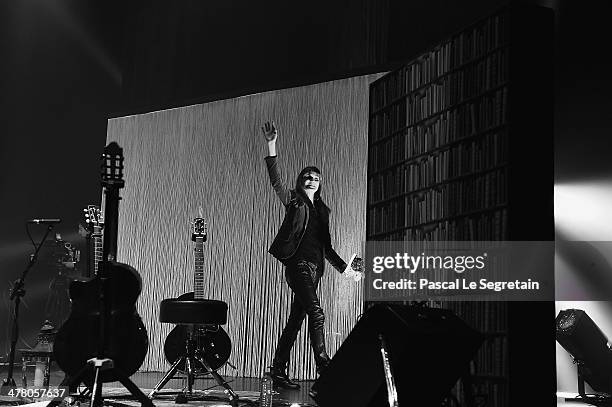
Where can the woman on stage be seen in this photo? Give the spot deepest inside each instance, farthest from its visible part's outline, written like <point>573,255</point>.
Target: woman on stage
<point>302,244</point>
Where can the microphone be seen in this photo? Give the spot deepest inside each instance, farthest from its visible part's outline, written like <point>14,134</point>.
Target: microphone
<point>43,221</point>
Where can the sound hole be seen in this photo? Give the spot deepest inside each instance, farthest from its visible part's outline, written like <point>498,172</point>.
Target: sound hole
<point>209,343</point>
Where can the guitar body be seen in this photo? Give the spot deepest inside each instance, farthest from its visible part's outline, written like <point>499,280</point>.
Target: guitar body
<point>210,342</point>
<point>126,339</point>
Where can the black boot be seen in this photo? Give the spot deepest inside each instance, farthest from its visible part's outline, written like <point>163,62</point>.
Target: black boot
<point>317,341</point>
<point>322,366</point>
<point>280,378</point>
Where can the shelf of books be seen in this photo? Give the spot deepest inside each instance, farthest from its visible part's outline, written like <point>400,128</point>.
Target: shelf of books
<point>460,148</point>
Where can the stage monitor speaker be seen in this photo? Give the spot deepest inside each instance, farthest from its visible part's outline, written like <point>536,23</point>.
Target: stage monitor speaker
<point>428,348</point>
<point>588,345</point>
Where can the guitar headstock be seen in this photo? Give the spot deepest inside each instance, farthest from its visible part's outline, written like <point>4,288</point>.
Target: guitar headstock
<point>199,229</point>
<point>112,166</point>
<point>93,217</point>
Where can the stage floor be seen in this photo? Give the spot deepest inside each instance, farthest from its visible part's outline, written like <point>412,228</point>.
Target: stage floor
<point>246,388</point>
<point>205,389</point>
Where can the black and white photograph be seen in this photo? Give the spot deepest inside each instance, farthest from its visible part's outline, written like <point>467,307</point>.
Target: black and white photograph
<point>369,203</point>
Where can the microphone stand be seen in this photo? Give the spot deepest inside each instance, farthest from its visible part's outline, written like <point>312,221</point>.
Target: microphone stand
<point>17,292</point>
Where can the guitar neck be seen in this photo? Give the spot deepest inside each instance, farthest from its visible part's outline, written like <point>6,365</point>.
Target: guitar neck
<point>198,278</point>
<point>111,215</point>
<point>96,238</point>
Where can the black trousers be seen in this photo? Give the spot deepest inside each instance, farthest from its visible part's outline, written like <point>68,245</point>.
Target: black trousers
<point>303,279</point>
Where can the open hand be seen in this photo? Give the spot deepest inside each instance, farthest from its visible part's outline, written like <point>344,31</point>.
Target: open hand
<point>269,131</point>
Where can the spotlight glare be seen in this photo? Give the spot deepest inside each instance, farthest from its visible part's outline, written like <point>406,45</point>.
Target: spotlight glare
<point>583,211</point>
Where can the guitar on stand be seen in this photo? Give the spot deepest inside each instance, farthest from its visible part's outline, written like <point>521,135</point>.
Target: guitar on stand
<point>198,345</point>
<point>104,339</point>
<point>211,341</point>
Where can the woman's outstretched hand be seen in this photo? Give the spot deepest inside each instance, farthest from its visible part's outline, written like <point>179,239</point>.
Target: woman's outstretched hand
<point>269,131</point>
<point>354,270</point>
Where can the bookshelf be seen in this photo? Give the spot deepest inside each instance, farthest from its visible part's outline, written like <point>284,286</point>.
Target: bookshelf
<point>460,148</point>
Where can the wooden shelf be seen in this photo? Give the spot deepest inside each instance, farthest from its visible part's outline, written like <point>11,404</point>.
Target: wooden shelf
<point>439,113</point>
<point>437,184</point>
<point>489,377</point>
<point>433,222</point>
<point>437,150</point>
<point>438,78</point>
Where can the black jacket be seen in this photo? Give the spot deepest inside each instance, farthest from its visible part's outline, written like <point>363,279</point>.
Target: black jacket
<point>292,230</point>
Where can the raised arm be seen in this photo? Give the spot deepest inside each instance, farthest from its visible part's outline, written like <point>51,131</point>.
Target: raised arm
<point>271,133</point>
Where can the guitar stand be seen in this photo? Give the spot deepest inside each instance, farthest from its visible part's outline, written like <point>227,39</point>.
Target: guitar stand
<point>189,358</point>
<point>96,391</point>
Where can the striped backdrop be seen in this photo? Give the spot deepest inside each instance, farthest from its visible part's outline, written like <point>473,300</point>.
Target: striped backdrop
<point>211,155</point>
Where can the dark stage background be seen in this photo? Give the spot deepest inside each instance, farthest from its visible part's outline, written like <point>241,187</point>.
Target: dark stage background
<point>67,66</point>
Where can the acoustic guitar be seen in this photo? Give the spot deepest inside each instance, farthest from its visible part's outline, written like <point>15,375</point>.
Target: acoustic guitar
<point>211,342</point>
<point>107,327</point>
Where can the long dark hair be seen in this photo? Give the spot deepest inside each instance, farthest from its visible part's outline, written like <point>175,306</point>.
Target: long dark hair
<point>319,205</point>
